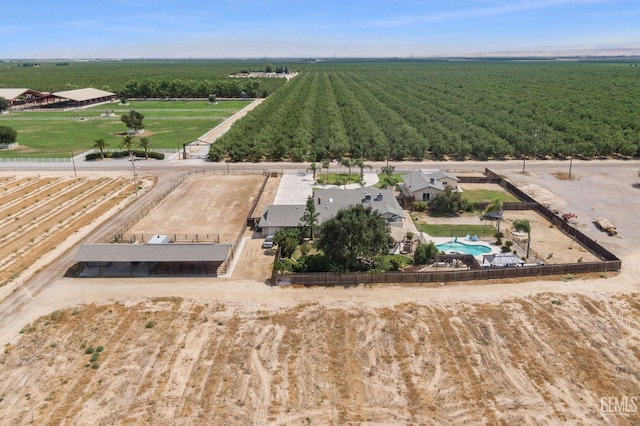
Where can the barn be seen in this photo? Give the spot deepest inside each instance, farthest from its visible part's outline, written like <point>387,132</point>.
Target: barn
<point>83,97</point>
<point>25,98</point>
<point>151,259</point>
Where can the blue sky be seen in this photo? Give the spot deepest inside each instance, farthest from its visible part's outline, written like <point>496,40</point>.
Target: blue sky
<point>324,28</point>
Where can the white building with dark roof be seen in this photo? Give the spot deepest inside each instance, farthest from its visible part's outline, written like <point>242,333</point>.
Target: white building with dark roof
<point>424,185</point>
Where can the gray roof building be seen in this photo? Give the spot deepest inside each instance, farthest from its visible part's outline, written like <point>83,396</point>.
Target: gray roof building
<point>176,252</point>
<point>422,179</point>
<point>328,202</point>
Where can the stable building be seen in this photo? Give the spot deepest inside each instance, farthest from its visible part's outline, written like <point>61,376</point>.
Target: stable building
<point>83,97</point>
<point>156,258</point>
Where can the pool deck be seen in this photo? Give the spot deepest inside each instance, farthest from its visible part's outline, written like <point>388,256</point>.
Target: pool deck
<point>443,240</point>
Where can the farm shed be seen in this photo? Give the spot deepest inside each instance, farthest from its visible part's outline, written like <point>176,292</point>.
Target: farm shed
<point>83,97</point>
<point>22,97</point>
<point>140,260</point>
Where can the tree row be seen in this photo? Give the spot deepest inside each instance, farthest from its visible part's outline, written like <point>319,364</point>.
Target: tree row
<point>418,110</point>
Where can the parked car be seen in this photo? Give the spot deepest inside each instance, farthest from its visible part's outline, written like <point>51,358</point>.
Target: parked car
<point>268,242</point>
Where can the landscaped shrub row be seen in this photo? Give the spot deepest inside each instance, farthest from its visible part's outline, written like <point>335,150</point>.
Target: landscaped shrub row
<point>121,154</point>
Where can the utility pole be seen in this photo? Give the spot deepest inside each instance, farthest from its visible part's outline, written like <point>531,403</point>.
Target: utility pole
<point>570,162</point>
<point>133,169</point>
<point>73,161</point>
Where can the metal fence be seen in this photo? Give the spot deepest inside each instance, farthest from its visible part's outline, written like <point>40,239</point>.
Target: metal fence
<point>145,211</point>
<point>173,238</point>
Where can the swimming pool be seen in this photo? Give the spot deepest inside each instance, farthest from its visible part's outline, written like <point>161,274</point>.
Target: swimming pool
<point>458,247</point>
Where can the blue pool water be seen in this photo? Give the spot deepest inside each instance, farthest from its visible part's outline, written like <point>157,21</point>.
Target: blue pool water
<point>475,250</point>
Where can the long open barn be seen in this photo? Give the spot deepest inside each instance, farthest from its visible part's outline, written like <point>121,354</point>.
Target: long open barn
<point>21,98</point>
<point>140,260</point>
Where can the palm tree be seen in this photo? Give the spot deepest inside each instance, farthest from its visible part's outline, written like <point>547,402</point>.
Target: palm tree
<point>314,168</point>
<point>523,225</point>
<point>495,205</point>
<point>127,143</point>
<point>145,144</point>
<point>360,163</point>
<point>348,163</point>
<point>326,163</point>
<point>101,144</point>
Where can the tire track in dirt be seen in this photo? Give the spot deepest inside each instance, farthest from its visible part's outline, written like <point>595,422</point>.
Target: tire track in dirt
<point>479,397</point>
<point>344,370</point>
<point>218,356</point>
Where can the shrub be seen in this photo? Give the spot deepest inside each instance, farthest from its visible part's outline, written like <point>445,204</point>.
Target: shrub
<point>419,206</point>
<point>424,253</point>
<point>89,350</point>
<point>150,324</point>
<point>313,263</point>
<point>156,155</point>
<point>409,236</point>
<point>498,236</point>
<point>94,357</point>
<point>99,349</point>
<point>93,156</point>
<point>8,135</point>
<point>95,365</point>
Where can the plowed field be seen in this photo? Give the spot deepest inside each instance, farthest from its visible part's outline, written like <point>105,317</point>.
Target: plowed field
<point>541,360</point>
<point>37,214</point>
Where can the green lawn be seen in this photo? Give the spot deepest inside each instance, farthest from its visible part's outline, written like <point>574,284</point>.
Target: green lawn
<point>486,195</point>
<point>384,180</point>
<point>57,134</point>
<point>486,230</point>
<point>337,178</point>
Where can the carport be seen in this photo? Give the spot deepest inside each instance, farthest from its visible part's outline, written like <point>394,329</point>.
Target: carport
<point>141,260</point>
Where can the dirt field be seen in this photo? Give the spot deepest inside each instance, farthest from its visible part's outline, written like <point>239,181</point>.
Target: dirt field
<point>37,214</point>
<point>542,360</point>
<point>204,204</point>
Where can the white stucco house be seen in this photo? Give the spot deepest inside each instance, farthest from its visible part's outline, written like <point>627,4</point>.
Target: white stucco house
<point>425,185</point>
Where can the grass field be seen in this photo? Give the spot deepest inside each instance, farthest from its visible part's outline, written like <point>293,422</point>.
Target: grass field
<point>168,124</point>
<point>448,230</point>
<point>487,195</point>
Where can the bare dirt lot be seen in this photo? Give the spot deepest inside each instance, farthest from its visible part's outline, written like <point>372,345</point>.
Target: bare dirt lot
<point>542,360</point>
<point>204,204</point>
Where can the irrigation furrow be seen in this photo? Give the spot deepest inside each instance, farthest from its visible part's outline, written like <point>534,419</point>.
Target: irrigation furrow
<point>68,223</point>
<point>21,224</point>
<point>16,196</point>
<point>17,187</point>
<point>56,238</point>
<point>32,202</point>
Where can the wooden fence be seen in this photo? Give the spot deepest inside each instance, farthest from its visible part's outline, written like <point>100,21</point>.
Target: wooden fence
<point>611,262</point>
<point>348,279</point>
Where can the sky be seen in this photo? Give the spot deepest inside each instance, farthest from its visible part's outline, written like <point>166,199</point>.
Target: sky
<point>319,28</point>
